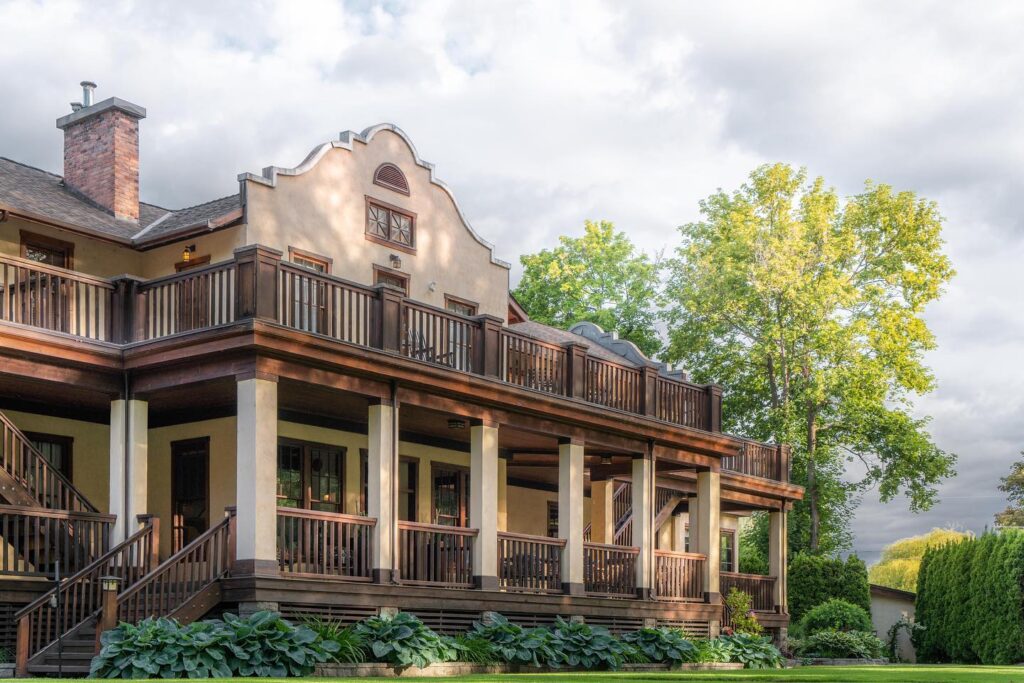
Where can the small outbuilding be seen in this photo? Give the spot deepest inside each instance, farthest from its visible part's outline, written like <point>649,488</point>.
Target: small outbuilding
<point>888,607</point>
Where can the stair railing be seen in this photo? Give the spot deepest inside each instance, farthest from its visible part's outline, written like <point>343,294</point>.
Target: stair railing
<point>81,594</point>
<point>24,465</point>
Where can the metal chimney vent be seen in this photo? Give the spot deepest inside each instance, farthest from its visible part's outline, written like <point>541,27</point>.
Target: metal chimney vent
<point>87,88</point>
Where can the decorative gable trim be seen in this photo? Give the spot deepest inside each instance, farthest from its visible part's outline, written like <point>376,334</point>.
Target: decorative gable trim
<point>390,176</point>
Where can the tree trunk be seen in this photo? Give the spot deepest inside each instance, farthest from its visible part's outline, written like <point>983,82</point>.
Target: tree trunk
<point>812,488</point>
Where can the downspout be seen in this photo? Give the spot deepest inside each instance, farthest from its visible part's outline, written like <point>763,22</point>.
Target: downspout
<point>393,493</point>
<point>127,459</point>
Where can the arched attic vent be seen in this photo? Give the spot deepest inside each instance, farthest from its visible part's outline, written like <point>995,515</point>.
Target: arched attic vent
<point>391,177</point>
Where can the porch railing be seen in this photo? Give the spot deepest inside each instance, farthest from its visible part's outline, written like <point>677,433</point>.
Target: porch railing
<point>761,588</point>
<point>36,542</point>
<point>613,385</point>
<point>609,570</point>
<point>55,299</point>
<point>324,544</point>
<point>437,336</point>
<point>679,576</point>
<point>195,299</point>
<point>684,403</point>
<point>323,304</point>
<point>435,555</point>
<point>765,460</point>
<point>530,563</point>
<point>531,363</point>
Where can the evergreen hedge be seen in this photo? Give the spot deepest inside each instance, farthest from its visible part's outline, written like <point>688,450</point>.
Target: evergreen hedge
<point>970,601</point>
<point>813,580</point>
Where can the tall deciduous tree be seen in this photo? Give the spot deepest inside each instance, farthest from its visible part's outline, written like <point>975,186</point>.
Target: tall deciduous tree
<point>901,559</point>
<point>599,277</point>
<point>809,309</point>
<point>1013,486</point>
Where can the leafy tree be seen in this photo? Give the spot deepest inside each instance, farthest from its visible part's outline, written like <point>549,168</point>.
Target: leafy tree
<point>809,309</point>
<point>901,559</point>
<point>1013,486</point>
<point>599,277</point>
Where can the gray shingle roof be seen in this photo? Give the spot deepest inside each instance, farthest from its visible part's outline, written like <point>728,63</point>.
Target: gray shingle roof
<point>557,336</point>
<point>41,193</point>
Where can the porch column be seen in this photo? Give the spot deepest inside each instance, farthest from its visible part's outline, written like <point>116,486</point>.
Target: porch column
<point>570,514</point>
<point>678,532</point>
<point>777,550</point>
<point>256,475</point>
<point>483,503</point>
<point>691,521</point>
<point>381,481</point>
<point>602,511</point>
<point>709,539</point>
<point>643,522</point>
<point>129,460</point>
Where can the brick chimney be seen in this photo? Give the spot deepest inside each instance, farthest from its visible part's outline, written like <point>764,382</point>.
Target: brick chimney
<point>101,152</point>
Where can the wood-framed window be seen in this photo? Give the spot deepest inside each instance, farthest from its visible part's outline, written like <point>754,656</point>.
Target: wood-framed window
<point>310,476</point>
<point>309,297</point>
<point>307,259</point>
<point>47,250</point>
<point>408,486</point>
<point>387,276</point>
<point>461,306</point>
<point>552,528</point>
<point>449,494</point>
<point>58,450</point>
<point>728,550</point>
<point>390,225</point>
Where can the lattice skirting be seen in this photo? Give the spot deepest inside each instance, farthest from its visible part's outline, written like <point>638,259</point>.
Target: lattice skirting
<point>343,614</point>
<point>695,629</point>
<point>8,628</point>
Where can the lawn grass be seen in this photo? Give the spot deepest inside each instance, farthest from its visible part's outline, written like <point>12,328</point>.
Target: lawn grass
<point>822,674</point>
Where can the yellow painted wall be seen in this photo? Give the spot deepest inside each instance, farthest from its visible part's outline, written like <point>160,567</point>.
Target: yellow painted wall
<point>219,246</point>
<point>90,463</point>
<point>92,256</point>
<point>528,510</point>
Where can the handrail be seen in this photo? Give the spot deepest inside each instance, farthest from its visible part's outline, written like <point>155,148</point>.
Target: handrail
<point>327,277</point>
<point>84,278</point>
<point>530,563</point>
<point>658,552</point>
<point>438,528</point>
<point>129,560</point>
<point>184,275</point>
<point>37,469</point>
<point>544,540</point>
<point>329,516</point>
<point>71,515</point>
<point>630,549</point>
<point>324,544</point>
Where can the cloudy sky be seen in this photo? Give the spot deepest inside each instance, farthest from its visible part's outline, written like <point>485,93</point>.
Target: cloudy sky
<point>543,114</point>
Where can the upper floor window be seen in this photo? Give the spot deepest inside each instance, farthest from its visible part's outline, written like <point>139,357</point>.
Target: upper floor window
<point>306,259</point>
<point>390,225</point>
<point>385,276</point>
<point>47,250</point>
<point>460,306</point>
<point>391,177</point>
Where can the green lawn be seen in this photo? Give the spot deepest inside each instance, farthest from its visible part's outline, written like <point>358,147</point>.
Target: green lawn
<point>852,674</point>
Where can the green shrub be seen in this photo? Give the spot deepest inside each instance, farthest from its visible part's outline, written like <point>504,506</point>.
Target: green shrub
<point>403,640</point>
<point>662,645</point>
<point>836,615</point>
<point>473,648</point>
<point>830,643</point>
<point>515,644</point>
<point>754,652</point>
<point>351,647</point>
<point>581,645</point>
<point>711,651</point>
<point>813,580</point>
<point>969,597</point>
<point>263,644</point>
<point>740,606</point>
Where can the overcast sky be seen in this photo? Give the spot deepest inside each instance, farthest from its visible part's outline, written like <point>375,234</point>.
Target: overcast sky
<point>540,115</point>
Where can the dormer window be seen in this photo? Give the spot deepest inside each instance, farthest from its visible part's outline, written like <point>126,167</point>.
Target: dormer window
<point>391,177</point>
<point>390,225</point>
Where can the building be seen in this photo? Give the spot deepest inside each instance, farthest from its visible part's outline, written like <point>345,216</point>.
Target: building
<point>890,606</point>
<point>317,394</point>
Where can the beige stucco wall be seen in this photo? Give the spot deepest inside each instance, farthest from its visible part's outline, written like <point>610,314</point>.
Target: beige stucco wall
<point>90,451</point>
<point>92,256</point>
<point>324,211</point>
<point>528,510</point>
<point>219,246</point>
<point>886,610</point>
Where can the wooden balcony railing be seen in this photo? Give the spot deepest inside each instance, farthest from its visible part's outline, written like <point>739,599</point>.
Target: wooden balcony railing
<point>324,544</point>
<point>531,363</point>
<point>530,563</point>
<point>613,385</point>
<point>684,403</point>
<point>765,460</point>
<point>609,570</point>
<point>55,299</point>
<point>435,555</point>
<point>679,576</point>
<point>437,336</point>
<point>322,304</point>
<point>195,299</point>
<point>36,541</point>
<point>761,588</point>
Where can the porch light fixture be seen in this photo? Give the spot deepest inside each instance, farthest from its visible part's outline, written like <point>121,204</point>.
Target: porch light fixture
<point>186,255</point>
<point>396,261</point>
<point>109,584</point>
<point>456,423</point>
<point>606,459</point>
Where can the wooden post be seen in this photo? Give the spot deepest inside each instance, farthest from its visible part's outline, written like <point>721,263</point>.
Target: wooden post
<point>487,346</point>
<point>387,326</point>
<point>154,540</point>
<point>575,369</point>
<point>21,655</point>
<point>784,454</point>
<point>256,286</point>
<point>714,407</point>
<point>232,512</point>
<point>108,610</point>
<point>649,391</point>
<point>124,325</point>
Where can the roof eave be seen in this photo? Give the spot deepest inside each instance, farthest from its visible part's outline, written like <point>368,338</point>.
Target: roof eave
<point>63,225</point>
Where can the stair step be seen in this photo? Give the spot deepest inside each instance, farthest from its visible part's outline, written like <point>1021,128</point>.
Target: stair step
<point>54,668</point>
<point>68,656</point>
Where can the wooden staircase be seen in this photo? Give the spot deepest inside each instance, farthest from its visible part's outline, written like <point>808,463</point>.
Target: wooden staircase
<point>665,502</point>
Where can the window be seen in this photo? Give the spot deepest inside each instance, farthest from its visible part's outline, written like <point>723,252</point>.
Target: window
<point>56,450</point>
<point>460,306</point>
<point>728,552</point>
<point>552,529</point>
<point>408,486</point>
<point>450,485</point>
<point>306,259</point>
<point>386,276</point>
<point>390,225</point>
<point>310,476</point>
<point>308,295</point>
<point>47,250</point>
<point>391,177</point>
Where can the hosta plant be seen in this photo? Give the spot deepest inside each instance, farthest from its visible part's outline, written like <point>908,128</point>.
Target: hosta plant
<point>403,640</point>
<point>515,644</point>
<point>830,643</point>
<point>662,645</point>
<point>711,651</point>
<point>584,646</point>
<point>265,644</point>
<point>754,652</point>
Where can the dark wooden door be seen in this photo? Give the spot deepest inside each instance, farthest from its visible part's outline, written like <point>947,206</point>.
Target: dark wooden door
<point>190,493</point>
<point>450,495</point>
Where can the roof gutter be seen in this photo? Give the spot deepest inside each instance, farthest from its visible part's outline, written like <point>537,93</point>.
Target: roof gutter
<point>8,211</point>
<point>228,220</point>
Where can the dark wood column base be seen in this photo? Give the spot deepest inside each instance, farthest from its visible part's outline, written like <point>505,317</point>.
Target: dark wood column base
<point>486,583</point>
<point>573,589</point>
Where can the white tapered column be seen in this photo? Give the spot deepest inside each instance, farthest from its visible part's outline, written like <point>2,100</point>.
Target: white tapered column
<point>570,514</point>
<point>380,484</point>
<point>483,504</point>
<point>129,464</point>
<point>256,476</point>
<point>643,522</point>
<point>777,549</point>
<point>602,511</point>
<point>709,537</point>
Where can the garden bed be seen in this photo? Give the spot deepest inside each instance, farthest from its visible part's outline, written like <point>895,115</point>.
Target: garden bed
<point>462,669</point>
<point>826,661</point>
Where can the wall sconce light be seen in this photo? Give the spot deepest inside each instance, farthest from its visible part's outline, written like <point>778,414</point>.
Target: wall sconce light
<point>606,460</point>
<point>186,255</point>
<point>432,286</point>
<point>455,423</point>
<point>396,261</point>
<point>110,584</point>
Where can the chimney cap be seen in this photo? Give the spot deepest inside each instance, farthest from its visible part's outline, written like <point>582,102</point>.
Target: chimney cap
<point>132,110</point>
<point>87,84</point>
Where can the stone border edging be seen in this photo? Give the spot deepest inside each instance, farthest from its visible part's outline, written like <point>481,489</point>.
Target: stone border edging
<point>376,670</point>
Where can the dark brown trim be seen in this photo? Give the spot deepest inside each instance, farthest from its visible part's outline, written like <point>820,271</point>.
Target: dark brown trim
<point>464,484</point>
<point>295,252</point>
<point>46,242</point>
<point>407,248</point>
<point>307,468</point>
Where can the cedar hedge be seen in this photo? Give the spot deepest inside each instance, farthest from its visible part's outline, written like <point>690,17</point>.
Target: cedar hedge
<point>970,599</point>
<point>813,580</point>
